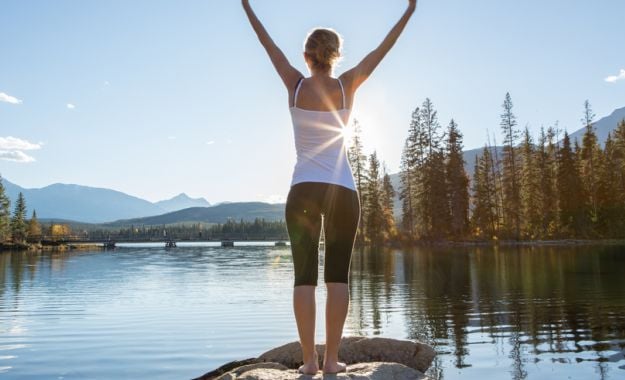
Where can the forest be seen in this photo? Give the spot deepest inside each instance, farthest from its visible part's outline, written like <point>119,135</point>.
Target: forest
<point>531,188</point>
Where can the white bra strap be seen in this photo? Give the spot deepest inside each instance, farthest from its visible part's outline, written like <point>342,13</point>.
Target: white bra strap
<point>297,88</point>
<point>342,92</point>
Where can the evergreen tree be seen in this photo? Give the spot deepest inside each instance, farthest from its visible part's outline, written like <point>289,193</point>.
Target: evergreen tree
<point>375,216</point>
<point>610,207</point>
<point>529,188</point>
<point>405,193</point>
<point>618,186</point>
<point>546,172</point>
<point>484,216</point>
<point>619,148</point>
<point>432,196</point>
<point>570,192</point>
<point>432,137</point>
<point>5,214</point>
<point>413,161</point>
<point>511,194</point>
<point>457,183</point>
<point>358,161</point>
<point>388,193</point>
<point>590,156</point>
<point>18,222</point>
<point>34,228</point>
<point>497,176</point>
<point>436,199</point>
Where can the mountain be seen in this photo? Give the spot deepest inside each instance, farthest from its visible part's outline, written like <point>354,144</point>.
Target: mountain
<point>81,203</point>
<point>181,201</point>
<point>602,127</point>
<point>214,214</point>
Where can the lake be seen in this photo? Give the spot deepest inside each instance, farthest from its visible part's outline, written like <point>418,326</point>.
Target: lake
<point>143,311</point>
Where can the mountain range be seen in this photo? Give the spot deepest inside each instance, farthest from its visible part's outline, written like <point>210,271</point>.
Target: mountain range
<point>93,204</point>
<point>87,204</point>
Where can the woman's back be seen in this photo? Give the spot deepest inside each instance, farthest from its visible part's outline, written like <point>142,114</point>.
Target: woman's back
<point>319,132</point>
<point>319,93</point>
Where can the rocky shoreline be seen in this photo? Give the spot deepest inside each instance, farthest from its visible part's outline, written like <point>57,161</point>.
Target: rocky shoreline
<point>25,247</point>
<point>366,358</point>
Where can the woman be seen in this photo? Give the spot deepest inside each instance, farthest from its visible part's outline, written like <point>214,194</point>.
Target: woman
<point>322,184</point>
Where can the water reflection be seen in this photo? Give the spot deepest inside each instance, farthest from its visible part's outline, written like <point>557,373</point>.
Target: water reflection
<point>511,313</point>
<point>524,305</point>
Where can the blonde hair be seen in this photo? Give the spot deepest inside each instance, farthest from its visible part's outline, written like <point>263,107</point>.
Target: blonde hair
<point>323,46</point>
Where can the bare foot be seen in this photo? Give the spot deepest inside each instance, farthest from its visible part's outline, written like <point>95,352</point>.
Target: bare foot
<point>310,368</point>
<point>330,368</point>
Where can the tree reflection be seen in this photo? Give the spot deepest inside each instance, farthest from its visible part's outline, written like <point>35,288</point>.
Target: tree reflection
<point>527,302</point>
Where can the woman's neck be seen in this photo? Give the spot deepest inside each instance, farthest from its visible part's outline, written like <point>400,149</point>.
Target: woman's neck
<point>321,73</point>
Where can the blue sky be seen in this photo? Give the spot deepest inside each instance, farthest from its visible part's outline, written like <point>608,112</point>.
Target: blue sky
<point>155,98</point>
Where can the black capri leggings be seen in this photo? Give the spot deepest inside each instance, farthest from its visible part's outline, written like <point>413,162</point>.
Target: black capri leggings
<point>340,207</point>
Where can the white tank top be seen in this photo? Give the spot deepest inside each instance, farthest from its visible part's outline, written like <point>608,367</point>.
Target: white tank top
<point>320,146</point>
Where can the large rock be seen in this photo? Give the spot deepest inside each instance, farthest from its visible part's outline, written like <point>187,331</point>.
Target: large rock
<point>357,349</point>
<point>360,371</point>
<point>367,358</point>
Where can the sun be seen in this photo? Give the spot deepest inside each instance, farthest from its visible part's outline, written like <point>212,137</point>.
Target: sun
<point>348,134</point>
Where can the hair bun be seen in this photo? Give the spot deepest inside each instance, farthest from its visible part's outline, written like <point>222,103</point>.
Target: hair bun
<point>324,47</point>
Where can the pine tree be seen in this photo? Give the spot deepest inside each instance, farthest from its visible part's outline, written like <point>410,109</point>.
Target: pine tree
<point>619,147</point>
<point>436,202</point>
<point>432,195</point>
<point>484,216</point>
<point>5,214</point>
<point>413,159</point>
<point>570,192</point>
<point>546,172</point>
<point>34,228</point>
<point>373,205</point>
<point>529,188</point>
<point>358,160</point>
<point>610,208</point>
<point>590,156</point>
<point>18,222</point>
<point>388,193</point>
<point>511,199</point>
<point>457,183</point>
<point>618,187</point>
<point>431,128</point>
<point>497,176</point>
<point>405,194</point>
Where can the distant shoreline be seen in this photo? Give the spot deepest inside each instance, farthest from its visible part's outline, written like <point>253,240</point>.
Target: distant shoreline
<point>507,243</point>
<point>9,247</point>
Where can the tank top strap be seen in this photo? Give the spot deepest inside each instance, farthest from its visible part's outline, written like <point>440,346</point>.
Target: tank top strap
<point>297,88</point>
<point>342,91</point>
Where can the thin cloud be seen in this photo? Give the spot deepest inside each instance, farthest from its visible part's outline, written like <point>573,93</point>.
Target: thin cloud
<point>12,149</point>
<point>614,78</point>
<point>171,137</point>
<point>14,143</point>
<point>9,99</point>
<point>210,142</point>
<point>15,156</point>
<point>70,106</point>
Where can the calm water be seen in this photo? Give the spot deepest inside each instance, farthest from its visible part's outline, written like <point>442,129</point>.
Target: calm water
<point>144,312</point>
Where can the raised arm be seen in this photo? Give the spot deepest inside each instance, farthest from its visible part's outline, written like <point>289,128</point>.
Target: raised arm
<point>288,73</point>
<point>356,76</point>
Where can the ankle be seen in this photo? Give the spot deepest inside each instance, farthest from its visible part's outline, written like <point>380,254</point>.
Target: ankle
<point>311,357</point>
<point>330,359</point>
